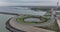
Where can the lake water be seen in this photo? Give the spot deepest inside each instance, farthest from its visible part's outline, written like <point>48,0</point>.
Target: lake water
<point>19,10</point>
<point>32,20</point>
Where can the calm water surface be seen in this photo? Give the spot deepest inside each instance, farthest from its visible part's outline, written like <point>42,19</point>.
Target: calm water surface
<point>32,20</point>
<point>21,10</point>
<point>3,19</point>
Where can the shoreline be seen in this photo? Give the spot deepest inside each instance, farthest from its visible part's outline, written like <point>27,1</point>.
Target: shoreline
<point>10,28</point>
<point>15,29</point>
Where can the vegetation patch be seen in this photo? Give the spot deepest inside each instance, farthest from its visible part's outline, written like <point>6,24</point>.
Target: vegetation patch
<point>53,26</point>
<point>42,18</point>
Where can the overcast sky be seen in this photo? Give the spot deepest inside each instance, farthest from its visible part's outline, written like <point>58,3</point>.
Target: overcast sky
<point>28,2</point>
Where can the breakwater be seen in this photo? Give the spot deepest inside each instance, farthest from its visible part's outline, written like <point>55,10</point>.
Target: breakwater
<point>9,13</point>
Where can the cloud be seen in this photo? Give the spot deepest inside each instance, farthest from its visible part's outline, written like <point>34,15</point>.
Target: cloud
<point>5,4</point>
<point>28,2</point>
<point>19,1</point>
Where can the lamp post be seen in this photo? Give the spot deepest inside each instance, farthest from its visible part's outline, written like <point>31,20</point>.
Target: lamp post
<point>57,7</point>
<point>53,14</point>
<point>57,4</point>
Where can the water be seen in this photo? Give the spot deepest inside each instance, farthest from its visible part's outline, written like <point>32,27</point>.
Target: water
<point>19,10</point>
<point>32,20</point>
<point>3,19</point>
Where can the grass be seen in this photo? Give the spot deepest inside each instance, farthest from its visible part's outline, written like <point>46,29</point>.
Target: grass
<point>21,19</point>
<point>39,9</point>
<point>53,27</point>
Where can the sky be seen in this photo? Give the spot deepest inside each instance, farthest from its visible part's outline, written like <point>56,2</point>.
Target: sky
<point>29,2</point>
